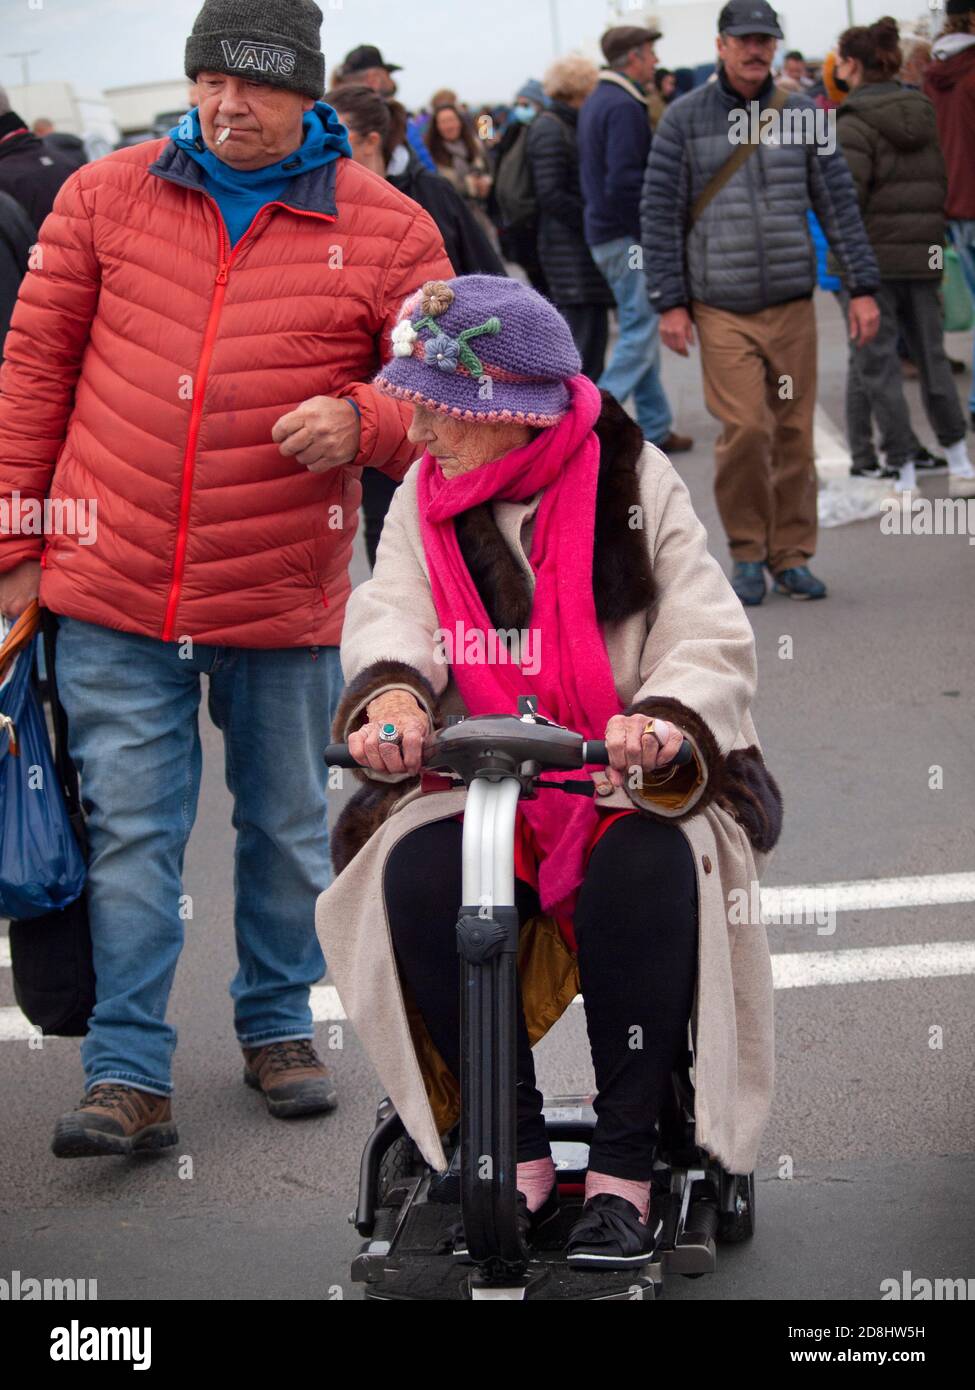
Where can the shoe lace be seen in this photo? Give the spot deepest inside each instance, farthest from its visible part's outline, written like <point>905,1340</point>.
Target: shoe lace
<point>110,1096</point>
<point>297,1052</point>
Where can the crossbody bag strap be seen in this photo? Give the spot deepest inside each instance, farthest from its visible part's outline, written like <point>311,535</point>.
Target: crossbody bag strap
<point>731,166</point>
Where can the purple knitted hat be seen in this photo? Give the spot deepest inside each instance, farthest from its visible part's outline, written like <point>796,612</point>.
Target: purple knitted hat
<point>482,347</point>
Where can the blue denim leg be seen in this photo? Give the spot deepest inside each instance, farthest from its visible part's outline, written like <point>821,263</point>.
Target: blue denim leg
<point>634,368</point>
<point>132,715</point>
<point>275,708</point>
<point>962,231</point>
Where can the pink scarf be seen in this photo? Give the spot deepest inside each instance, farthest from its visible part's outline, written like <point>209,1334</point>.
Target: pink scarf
<point>574,681</point>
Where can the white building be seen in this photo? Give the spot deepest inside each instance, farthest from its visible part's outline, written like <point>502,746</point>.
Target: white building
<point>135,108</point>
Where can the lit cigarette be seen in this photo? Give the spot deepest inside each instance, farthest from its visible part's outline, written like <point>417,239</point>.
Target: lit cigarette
<point>224,135</point>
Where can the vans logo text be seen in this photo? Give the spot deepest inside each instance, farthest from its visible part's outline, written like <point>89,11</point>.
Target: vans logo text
<point>249,56</point>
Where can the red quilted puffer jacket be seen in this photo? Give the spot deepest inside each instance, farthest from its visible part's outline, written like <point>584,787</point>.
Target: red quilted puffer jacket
<point>145,367</point>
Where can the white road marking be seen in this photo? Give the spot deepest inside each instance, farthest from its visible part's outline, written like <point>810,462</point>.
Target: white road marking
<point>326,1007</point>
<point>796,969</point>
<point>14,1026</point>
<point>790,970</point>
<point>858,895</point>
<point>829,444</point>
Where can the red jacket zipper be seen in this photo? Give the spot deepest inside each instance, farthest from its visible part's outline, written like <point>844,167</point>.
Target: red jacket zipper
<point>199,391</point>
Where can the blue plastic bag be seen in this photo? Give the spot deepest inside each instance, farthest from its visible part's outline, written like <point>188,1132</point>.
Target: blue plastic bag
<point>41,866</point>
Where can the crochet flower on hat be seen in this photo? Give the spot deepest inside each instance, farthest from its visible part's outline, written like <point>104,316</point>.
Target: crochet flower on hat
<point>442,351</point>
<point>404,336</point>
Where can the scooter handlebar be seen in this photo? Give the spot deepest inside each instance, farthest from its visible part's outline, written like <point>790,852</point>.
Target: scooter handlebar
<point>594,751</point>
<point>338,755</point>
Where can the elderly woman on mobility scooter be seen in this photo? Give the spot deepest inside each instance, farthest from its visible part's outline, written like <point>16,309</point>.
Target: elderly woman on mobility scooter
<point>538,514</point>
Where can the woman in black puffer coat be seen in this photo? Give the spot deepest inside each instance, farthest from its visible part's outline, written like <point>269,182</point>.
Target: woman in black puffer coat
<point>575,282</point>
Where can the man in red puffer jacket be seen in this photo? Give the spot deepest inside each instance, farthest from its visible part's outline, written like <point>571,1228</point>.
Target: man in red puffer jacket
<point>184,377</point>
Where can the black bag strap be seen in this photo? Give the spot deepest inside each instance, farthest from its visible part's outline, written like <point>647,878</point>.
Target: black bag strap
<point>65,768</point>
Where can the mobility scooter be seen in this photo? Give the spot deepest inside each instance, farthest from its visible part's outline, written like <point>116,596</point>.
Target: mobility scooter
<point>407,1212</point>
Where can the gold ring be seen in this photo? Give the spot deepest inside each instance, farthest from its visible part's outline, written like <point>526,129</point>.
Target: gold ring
<point>650,730</point>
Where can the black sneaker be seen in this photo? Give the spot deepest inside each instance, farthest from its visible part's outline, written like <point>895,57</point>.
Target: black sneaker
<point>529,1223</point>
<point>610,1235</point>
<point>872,470</point>
<point>929,464</point>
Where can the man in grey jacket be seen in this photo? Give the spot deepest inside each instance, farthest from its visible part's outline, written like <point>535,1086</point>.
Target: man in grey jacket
<point>734,257</point>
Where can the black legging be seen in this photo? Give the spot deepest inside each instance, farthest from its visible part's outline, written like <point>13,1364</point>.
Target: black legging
<point>636,929</point>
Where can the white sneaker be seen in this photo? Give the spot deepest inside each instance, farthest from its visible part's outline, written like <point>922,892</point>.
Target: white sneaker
<point>962,484</point>
<point>906,480</point>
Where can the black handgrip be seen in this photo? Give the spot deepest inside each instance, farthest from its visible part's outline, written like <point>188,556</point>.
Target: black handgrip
<point>594,751</point>
<point>338,755</point>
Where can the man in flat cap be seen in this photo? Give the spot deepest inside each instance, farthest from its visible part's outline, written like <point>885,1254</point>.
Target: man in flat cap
<point>614,142</point>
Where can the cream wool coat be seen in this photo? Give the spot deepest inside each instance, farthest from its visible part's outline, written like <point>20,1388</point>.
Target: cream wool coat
<point>693,651</point>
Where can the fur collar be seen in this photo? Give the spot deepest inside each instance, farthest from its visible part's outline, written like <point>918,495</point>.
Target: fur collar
<point>621,572</point>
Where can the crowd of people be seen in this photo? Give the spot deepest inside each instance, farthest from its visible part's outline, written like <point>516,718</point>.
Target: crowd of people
<point>330,274</point>
<point>563,186</point>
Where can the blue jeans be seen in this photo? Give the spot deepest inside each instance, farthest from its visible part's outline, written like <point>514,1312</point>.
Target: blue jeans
<point>962,233</point>
<point>132,704</point>
<point>634,368</point>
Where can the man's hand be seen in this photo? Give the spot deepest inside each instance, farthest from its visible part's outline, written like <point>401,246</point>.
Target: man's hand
<point>864,319</point>
<point>20,587</point>
<point>322,433</point>
<point>677,331</point>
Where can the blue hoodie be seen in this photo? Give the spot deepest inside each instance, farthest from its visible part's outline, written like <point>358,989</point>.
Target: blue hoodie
<point>240,194</point>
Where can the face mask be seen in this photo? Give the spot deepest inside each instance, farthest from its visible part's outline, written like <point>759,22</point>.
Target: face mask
<point>524,114</point>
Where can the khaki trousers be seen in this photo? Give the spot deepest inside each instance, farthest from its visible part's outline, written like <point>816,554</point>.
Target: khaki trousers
<point>760,382</point>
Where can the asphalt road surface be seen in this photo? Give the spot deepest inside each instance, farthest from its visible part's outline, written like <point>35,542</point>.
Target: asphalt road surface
<point>873,1114</point>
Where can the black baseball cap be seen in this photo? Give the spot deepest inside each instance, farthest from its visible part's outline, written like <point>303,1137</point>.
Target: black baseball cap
<point>367,56</point>
<point>749,17</point>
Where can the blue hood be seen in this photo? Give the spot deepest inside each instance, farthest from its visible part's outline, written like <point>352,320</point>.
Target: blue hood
<point>326,138</point>
<point>240,194</point>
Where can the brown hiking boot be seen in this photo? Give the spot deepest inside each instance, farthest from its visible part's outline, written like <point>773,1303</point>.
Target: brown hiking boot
<point>115,1119</point>
<point>293,1079</point>
<point>676,443</point>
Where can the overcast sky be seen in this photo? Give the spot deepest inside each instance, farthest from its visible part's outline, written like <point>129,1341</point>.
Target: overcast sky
<point>483,48</point>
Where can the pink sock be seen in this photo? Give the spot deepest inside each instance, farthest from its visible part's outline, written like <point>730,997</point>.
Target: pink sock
<point>636,1192</point>
<point>535,1180</point>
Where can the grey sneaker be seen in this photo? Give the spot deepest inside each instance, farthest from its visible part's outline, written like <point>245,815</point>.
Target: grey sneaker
<point>748,581</point>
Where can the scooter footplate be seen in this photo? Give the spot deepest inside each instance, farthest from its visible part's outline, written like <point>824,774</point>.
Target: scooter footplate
<point>421,1267</point>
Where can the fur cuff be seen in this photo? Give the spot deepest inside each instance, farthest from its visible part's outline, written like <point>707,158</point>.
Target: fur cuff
<point>371,680</point>
<point>750,792</point>
<point>361,817</point>
<point>740,782</point>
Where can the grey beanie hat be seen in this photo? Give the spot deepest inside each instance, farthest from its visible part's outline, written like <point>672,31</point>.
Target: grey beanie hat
<point>274,41</point>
